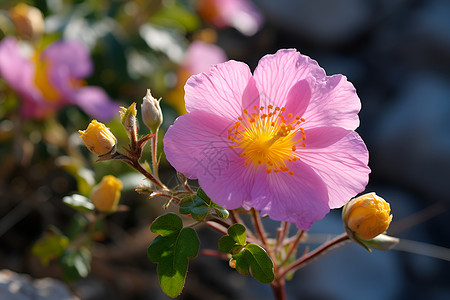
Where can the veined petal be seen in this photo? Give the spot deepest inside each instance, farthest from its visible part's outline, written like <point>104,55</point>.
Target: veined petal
<point>220,91</point>
<point>333,103</point>
<point>301,198</point>
<point>194,140</point>
<point>277,73</point>
<point>340,158</point>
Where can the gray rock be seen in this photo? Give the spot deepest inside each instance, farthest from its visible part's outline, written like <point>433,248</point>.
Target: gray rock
<point>14,286</point>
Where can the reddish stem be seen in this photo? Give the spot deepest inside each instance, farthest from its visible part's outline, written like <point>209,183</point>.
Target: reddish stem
<point>313,254</point>
<point>279,288</point>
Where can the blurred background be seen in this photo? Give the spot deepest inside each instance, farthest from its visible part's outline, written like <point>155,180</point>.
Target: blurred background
<point>395,52</point>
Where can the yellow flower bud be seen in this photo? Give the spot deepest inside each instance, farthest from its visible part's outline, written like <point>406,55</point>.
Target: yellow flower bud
<point>98,138</point>
<point>151,112</point>
<point>28,20</point>
<point>106,194</point>
<point>367,216</point>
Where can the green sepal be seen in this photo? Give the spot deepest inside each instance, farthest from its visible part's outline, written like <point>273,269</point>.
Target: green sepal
<point>79,202</point>
<point>171,251</point>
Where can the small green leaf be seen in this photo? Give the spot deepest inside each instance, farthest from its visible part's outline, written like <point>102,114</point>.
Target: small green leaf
<point>167,224</point>
<point>198,206</point>
<point>202,195</point>
<point>238,233</point>
<point>234,241</point>
<point>227,244</point>
<point>255,259</point>
<point>79,203</point>
<point>76,263</point>
<point>171,251</point>
<point>220,211</point>
<point>260,263</point>
<point>50,246</point>
<point>194,206</point>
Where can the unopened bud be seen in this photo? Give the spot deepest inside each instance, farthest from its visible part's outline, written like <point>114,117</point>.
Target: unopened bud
<point>106,194</point>
<point>128,119</point>
<point>232,263</point>
<point>151,112</point>
<point>367,216</point>
<point>28,20</point>
<point>98,138</point>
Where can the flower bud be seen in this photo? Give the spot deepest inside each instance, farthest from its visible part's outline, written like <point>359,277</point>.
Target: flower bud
<point>106,194</point>
<point>151,112</point>
<point>98,138</point>
<point>28,20</point>
<point>367,216</point>
<point>128,119</point>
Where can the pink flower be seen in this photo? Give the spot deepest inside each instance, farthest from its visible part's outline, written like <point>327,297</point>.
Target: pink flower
<point>199,57</point>
<point>51,79</point>
<point>281,141</point>
<point>240,14</point>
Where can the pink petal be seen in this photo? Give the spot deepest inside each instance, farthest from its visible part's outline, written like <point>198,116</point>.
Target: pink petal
<point>277,73</point>
<point>95,102</point>
<point>334,103</point>
<point>301,198</point>
<point>340,158</point>
<point>200,56</point>
<point>196,145</point>
<point>298,98</point>
<point>220,92</point>
<point>16,69</point>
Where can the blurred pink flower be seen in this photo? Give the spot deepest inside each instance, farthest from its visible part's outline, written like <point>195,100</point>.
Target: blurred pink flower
<point>240,14</point>
<point>281,140</point>
<point>51,79</point>
<point>199,57</point>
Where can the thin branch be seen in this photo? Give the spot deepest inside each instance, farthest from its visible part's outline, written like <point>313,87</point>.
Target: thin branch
<point>293,246</point>
<point>314,254</point>
<point>282,232</point>
<point>259,227</point>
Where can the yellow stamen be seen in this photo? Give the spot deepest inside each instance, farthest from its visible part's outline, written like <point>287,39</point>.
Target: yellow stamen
<point>267,138</point>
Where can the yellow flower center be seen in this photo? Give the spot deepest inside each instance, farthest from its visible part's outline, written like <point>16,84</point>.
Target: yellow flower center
<point>267,138</point>
<point>42,78</point>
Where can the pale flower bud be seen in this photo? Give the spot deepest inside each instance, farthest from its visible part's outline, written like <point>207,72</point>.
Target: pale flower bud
<point>128,119</point>
<point>106,194</point>
<point>151,112</point>
<point>367,216</point>
<point>98,138</point>
<point>28,20</point>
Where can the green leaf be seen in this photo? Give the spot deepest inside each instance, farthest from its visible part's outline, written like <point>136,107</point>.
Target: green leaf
<point>238,233</point>
<point>198,206</point>
<point>194,206</point>
<point>77,225</point>
<point>255,259</point>
<point>171,251</point>
<point>167,224</point>
<point>220,211</point>
<point>234,241</point>
<point>76,263</point>
<point>79,203</point>
<point>50,246</point>
<point>201,193</point>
